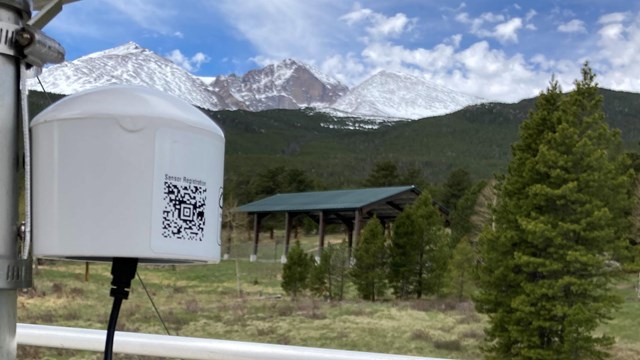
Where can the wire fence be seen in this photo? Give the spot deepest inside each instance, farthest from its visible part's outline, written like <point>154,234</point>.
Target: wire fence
<point>272,249</point>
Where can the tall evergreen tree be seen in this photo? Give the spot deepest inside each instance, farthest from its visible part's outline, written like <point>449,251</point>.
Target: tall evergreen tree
<point>368,272</point>
<point>384,173</point>
<point>461,277</point>
<point>295,272</point>
<point>339,270</point>
<point>280,179</point>
<point>461,218</point>
<point>403,254</point>
<point>456,186</point>
<point>419,251</point>
<point>320,276</point>
<point>561,214</point>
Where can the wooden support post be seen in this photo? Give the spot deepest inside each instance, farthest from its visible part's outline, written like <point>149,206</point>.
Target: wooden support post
<point>256,237</point>
<point>320,234</point>
<point>287,236</point>
<point>86,271</point>
<point>357,225</point>
<point>350,239</point>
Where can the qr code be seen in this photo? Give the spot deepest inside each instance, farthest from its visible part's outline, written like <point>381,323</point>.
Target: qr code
<point>183,213</point>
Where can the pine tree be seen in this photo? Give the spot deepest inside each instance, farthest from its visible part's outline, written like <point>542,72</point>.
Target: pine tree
<point>561,214</point>
<point>419,251</point>
<point>403,254</point>
<point>320,276</point>
<point>295,272</point>
<point>384,173</point>
<point>368,272</point>
<point>457,184</point>
<point>461,269</point>
<point>339,269</point>
<point>433,248</point>
<point>461,218</point>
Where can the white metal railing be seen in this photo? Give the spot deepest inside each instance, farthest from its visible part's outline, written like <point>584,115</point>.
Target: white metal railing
<point>184,347</point>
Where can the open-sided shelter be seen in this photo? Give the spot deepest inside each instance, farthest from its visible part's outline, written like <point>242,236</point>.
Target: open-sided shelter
<point>349,207</point>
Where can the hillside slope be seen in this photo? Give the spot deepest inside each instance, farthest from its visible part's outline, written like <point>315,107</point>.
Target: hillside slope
<point>477,138</point>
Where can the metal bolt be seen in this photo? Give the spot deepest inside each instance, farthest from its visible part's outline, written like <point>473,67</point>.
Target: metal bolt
<point>22,230</point>
<point>24,38</point>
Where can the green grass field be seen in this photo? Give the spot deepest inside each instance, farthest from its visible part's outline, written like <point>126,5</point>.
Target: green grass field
<point>240,300</point>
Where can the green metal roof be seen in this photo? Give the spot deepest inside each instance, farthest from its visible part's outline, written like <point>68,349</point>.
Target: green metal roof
<point>325,200</point>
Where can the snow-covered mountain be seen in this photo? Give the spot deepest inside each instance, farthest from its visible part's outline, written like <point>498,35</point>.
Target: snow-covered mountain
<point>397,95</point>
<point>286,85</point>
<point>128,64</point>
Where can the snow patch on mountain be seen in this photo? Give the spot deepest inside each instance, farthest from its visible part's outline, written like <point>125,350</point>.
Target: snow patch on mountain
<point>127,64</point>
<point>398,95</point>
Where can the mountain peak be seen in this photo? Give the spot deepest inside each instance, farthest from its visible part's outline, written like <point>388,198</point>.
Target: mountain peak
<point>289,62</point>
<point>401,95</point>
<point>129,64</point>
<point>124,49</point>
<point>288,84</point>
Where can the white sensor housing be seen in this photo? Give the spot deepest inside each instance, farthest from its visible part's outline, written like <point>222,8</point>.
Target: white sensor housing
<point>127,171</point>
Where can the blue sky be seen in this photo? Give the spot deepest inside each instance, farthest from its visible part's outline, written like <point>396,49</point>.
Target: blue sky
<point>498,50</point>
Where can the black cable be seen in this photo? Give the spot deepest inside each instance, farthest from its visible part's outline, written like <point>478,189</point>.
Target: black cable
<point>111,328</point>
<point>123,271</point>
<point>153,304</point>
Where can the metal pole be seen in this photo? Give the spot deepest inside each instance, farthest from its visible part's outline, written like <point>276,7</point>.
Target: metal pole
<point>256,237</point>
<point>287,236</point>
<point>11,12</point>
<point>321,225</point>
<point>185,347</point>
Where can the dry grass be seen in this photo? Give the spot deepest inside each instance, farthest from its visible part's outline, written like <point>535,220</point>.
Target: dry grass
<point>204,301</point>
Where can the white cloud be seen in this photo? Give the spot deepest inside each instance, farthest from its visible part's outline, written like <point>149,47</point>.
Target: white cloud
<point>530,14</point>
<point>392,26</point>
<point>613,18</point>
<point>508,31</point>
<point>379,25</point>
<point>357,15</point>
<point>178,34</point>
<point>348,68</point>
<point>95,25</point>
<point>263,61</point>
<point>286,28</point>
<point>491,17</point>
<point>505,32</point>
<point>477,69</point>
<point>200,58</point>
<point>191,64</point>
<point>149,14</point>
<point>476,24</point>
<point>619,46</point>
<point>573,26</point>
<point>611,32</point>
<point>455,40</point>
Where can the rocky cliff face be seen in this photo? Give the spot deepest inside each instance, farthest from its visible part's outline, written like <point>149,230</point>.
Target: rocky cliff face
<point>286,85</point>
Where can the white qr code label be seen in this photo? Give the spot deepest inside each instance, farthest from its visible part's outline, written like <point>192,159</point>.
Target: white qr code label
<point>185,195</point>
<point>184,209</point>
